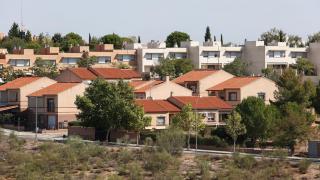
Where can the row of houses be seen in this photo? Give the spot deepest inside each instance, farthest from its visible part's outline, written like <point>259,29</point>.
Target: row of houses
<point>142,57</point>
<point>212,93</point>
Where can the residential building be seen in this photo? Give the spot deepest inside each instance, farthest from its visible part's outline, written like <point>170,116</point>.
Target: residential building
<point>160,111</point>
<point>54,105</point>
<point>236,89</point>
<point>156,89</point>
<point>106,55</point>
<point>201,79</point>
<point>211,55</point>
<point>2,35</point>
<point>14,93</point>
<point>277,56</point>
<point>89,74</point>
<point>314,56</point>
<point>212,109</point>
<point>150,54</point>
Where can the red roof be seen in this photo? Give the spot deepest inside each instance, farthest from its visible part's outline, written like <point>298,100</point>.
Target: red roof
<point>54,89</point>
<point>233,83</point>
<point>115,73</point>
<point>157,106</point>
<point>83,73</point>
<point>194,75</point>
<point>18,83</point>
<point>211,102</point>
<point>143,86</point>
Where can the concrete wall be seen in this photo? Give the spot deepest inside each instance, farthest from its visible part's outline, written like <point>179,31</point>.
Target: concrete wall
<point>167,89</point>
<point>212,80</point>
<point>154,120</point>
<point>263,85</point>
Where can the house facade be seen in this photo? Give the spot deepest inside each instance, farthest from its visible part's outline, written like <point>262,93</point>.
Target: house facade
<point>234,90</point>
<point>54,105</point>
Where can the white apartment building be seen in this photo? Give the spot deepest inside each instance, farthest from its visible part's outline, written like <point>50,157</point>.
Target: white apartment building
<point>211,55</point>
<point>277,56</point>
<point>148,55</point>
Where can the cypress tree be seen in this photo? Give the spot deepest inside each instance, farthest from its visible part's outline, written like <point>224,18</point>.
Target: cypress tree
<point>207,36</point>
<point>139,40</point>
<point>221,39</point>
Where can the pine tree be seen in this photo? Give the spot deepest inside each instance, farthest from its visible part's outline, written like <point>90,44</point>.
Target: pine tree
<point>221,39</point>
<point>28,37</point>
<point>207,36</point>
<point>14,31</point>
<point>139,40</point>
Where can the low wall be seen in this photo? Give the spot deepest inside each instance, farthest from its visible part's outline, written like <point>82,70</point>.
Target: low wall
<point>13,127</point>
<point>115,136</point>
<point>87,133</point>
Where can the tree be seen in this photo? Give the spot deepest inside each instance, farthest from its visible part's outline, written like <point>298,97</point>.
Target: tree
<point>253,113</point>
<point>221,39</point>
<point>207,36</point>
<point>86,60</point>
<point>238,67</point>
<point>9,74</point>
<point>57,39</point>
<point>314,38</point>
<point>214,38</point>
<point>273,34</point>
<point>94,41</point>
<point>188,121</point>
<point>234,127</point>
<point>176,37</point>
<point>139,40</point>
<point>41,39</point>
<point>291,88</point>
<point>316,99</point>
<point>14,31</point>
<point>28,37</point>
<point>45,68</point>
<point>294,126</point>
<point>71,39</point>
<point>270,73</point>
<point>110,106</point>
<point>305,67</point>
<point>173,67</point>
<point>295,41</point>
<point>112,39</point>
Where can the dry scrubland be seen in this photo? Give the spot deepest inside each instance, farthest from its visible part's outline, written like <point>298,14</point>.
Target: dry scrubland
<point>20,159</point>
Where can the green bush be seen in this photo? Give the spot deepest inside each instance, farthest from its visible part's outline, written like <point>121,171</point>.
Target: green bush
<point>14,142</point>
<point>135,171</point>
<point>125,156</point>
<point>172,141</point>
<point>204,167</point>
<point>304,165</point>
<point>209,141</point>
<point>75,123</point>
<point>157,161</point>
<point>115,177</point>
<point>244,162</point>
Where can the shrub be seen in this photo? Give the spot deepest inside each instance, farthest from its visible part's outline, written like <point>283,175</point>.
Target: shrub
<point>115,177</point>
<point>75,123</point>
<point>244,162</point>
<point>209,141</point>
<point>204,167</point>
<point>172,141</point>
<point>304,165</point>
<point>14,142</point>
<point>1,135</point>
<point>158,161</point>
<point>135,171</point>
<point>125,156</point>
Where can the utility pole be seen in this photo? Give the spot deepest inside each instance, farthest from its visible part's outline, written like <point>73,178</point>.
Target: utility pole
<point>36,134</point>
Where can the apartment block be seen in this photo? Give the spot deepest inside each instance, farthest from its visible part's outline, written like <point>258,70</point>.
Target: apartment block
<point>107,56</point>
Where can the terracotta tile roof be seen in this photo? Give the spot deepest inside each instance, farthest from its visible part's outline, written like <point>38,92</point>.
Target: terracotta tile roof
<point>147,85</point>
<point>115,73</point>
<point>233,83</point>
<point>210,102</point>
<point>54,89</point>
<point>18,83</point>
<point>194,75</point>
<point>83,73</point>
<point>157,106</point>
<point>138,83</point>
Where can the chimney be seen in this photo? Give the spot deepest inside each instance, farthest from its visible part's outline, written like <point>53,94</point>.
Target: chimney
<point>167,78</point>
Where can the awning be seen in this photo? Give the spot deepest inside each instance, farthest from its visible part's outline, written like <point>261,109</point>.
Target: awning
<point>5,108</point>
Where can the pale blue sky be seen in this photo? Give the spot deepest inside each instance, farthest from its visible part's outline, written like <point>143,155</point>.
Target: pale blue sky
<point>154,19</point>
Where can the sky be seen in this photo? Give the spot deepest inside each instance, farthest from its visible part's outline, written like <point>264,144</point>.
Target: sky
<point>155,19</point>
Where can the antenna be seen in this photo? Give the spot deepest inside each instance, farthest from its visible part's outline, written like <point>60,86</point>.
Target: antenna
<point>21,16</point>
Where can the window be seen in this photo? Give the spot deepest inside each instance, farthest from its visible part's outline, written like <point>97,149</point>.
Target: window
<point>277,54</point>
<point>298,54</point>
<point>161,120</point>
<point>104,59</point>
<point>233,96</point>
<point>19,62</point>
<point>154,56</point>
<point>13,96</point>
<point>70,60</point>
<point>125,57</point>
<point>174,55</point>
<point>50,105</point>
<point>210,54</point>
<point>210,117</point>
<point>262,95</point>
<point>232,54</point>
<point>49,61</point>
